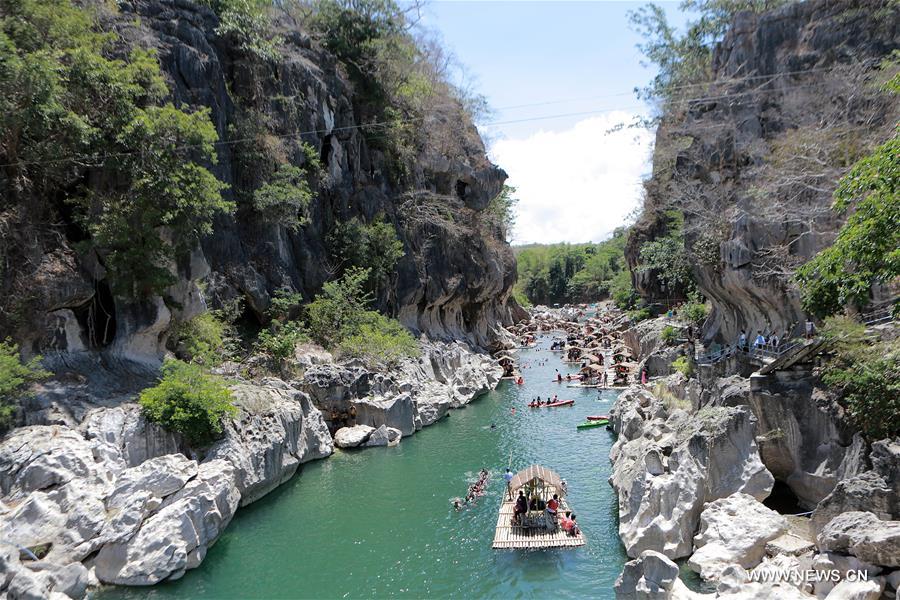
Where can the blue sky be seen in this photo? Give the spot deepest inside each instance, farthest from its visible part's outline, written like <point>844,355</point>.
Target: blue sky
<point>575,182</point>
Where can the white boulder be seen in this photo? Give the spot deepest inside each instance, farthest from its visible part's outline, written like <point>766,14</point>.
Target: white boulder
<point>384,436</point>
<point>865,536</point>
<point>667,464</point>
<point>352,437</point>
<point>734,530</point>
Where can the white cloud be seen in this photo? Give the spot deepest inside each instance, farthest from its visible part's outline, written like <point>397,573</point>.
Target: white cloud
<point>575,185</point>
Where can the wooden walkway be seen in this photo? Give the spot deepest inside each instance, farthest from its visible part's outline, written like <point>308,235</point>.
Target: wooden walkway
<point>509,536</point>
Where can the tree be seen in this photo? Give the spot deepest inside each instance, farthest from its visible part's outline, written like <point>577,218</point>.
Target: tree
<point>200,340</point>
<point>683,60</point>
<point>190,401</point>
<point>339,320</point>
<point>285,198</point>
<point>374,246</point>
<point>867,376</point>
<point>572,272</point>
<point>168,206</point>
<point>379,342</point>
<point>502,210</point>
<point>15,377</point>
<point>867,248</point>
<point>667,258</point>
<point>249,24</point>
<point>338,311</point>
<point>78,125</point>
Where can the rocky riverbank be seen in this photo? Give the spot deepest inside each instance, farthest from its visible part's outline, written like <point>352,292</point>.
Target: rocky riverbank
<point>695,463</point>
<point>111,498</point>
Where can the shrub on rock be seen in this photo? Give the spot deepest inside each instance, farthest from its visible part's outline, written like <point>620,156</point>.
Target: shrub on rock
<point>15,376</point>
<point>190,401</point>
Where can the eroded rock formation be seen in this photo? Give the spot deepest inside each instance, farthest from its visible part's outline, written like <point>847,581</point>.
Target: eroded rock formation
<point>667,463</point>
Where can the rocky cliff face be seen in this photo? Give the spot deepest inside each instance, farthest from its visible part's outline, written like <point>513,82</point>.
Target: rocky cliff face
<point>753,161</point>
<point>453,282</point>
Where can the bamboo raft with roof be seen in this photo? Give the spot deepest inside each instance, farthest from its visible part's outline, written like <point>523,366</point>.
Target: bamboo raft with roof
<point>539,484</point>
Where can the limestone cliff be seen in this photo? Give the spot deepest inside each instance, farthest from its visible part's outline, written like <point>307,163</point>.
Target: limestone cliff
<point>751,158</point>
<point>453,282</point>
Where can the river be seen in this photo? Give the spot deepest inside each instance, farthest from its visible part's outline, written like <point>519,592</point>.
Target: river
<point>378,522</point>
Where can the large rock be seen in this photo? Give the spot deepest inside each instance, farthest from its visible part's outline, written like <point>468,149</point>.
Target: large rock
<point>876,490</point>
<point>734,530</point>
<point>384,436</point>
<point>351,437</point>
<point>804,441</point>
<point>41,457</point>
<point>398,412</point>
<point>117,486</point>
<point>652,576</point>
<point>176,537</point>
<point>277,430</point>
<point>708,455</point>
<point>840,567</point>
<point>735,584</point>
<point>856,590</point>
<point>418,393</point>
<point>865,536</point>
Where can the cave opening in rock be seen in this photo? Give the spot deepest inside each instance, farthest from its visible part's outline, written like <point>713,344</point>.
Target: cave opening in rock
<point>783,500</point>
<point>97,317</point>
<point>461,187</point>
<point>325,153</point>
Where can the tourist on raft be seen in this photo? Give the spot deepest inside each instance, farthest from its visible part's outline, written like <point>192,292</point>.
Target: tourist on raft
<point>568,524</point>
<point>552,507</point>
<point>508,476</point>
<point>520,508</point>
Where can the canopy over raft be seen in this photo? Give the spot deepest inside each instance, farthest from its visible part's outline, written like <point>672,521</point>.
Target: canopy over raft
<point>535,529</point>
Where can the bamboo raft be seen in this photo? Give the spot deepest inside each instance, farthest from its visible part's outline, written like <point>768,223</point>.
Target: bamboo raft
<point>539,482</point>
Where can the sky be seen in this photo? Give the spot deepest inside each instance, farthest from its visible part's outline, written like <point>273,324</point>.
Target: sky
<point>558,76</point>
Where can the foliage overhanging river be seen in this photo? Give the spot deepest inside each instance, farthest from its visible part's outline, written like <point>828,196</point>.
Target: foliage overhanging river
<point>378,522</point>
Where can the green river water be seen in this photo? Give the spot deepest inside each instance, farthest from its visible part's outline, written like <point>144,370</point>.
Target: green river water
<point>378,522</point>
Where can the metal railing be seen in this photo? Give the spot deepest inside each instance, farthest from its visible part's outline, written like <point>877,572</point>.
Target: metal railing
<point>869,319</point>
<point>759,352</point>
<point>877,317</point>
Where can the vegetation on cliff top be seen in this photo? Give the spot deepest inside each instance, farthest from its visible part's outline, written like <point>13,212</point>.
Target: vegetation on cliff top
<point>560,273</point>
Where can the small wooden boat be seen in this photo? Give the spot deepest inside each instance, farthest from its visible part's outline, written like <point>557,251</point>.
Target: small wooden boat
<point>584,385</point>
<point>567,380</point>
<point>591,424</point>
<point>598,418</point>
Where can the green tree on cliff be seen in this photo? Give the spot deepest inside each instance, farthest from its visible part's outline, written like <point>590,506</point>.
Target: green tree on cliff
<point>867,248</point>
<point>70,115</point>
